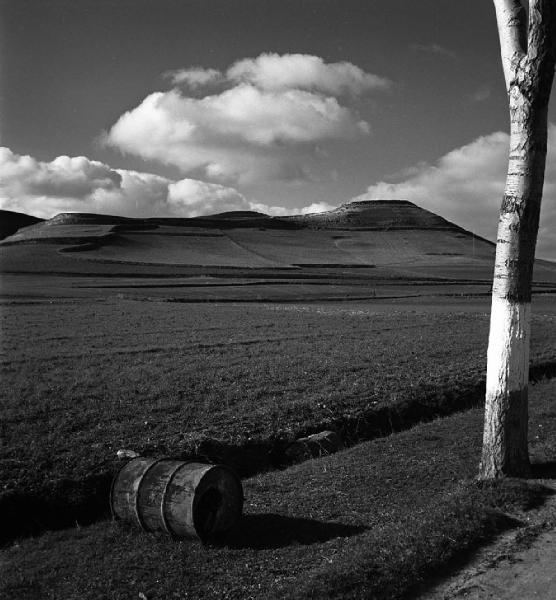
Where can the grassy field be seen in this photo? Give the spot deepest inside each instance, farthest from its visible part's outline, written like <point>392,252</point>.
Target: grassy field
<point>236,382</point>
<point>225,288</point>
<point>369,522</point>
<point>82,379</point>
<point>131,342</point>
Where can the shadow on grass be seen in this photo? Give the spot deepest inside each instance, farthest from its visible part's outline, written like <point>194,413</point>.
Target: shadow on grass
<point>543,470</point>
<point>267,531</point>
<point>434,576</point>
<point>499,497</point>
<point>60,504</point>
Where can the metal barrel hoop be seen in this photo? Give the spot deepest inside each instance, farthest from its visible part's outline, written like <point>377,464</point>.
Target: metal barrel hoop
<point>113,484</point>
<point>163,498</point>
<point>138,515</point>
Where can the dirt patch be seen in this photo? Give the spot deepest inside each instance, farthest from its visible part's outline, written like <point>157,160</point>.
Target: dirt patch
<point>520,564</point>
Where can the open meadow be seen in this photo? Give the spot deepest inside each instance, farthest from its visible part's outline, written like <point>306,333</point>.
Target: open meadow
<point>234,381</point>
<point>82,379</point>
<point>101,351</point>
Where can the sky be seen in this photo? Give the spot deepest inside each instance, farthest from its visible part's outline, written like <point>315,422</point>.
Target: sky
<point>188,107</point>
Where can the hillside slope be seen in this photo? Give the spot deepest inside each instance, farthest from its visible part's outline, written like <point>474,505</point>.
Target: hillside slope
<point>11,221</point>
<point>392,234</point>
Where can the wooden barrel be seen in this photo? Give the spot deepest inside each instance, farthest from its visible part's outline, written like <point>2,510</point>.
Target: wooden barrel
<point>182,498</point>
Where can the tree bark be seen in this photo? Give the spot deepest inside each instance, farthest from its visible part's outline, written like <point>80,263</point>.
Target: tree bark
<point>528,58</point>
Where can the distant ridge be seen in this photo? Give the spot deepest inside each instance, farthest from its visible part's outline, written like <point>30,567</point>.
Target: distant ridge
<point>238,214</point>
<point>367,215</point>
<point>396,235</point>
<point>89,219</point>
<point>225,220</point>
<point>11,221</point>
<point>391,218</point>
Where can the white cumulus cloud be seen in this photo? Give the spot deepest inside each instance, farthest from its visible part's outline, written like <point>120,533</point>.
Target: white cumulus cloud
<point>466,186</point>
<point>261,127</point>
<point>78,184</point>
<point>305,72</point>
<point>242,133</point>
<point>196,198</point>
<point>280,211</point>
<point>64,177</point>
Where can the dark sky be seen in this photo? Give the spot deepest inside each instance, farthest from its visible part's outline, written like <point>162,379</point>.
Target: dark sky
<point>71,68</point>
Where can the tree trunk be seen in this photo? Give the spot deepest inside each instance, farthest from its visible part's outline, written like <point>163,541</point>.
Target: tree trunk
<point>529,73</point>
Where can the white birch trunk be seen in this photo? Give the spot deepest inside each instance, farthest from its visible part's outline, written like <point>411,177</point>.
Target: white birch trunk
<point>528,56</point>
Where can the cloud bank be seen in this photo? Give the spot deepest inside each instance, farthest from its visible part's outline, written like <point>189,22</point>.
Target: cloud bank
<point>466,186</point>
<point>261,126</point>
<point>271,71</point>
<point>78,184</point>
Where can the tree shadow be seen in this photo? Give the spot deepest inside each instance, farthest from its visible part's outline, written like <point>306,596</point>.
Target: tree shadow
<point>500,523</point>
<point>543,470</point>
<point>267,531</point>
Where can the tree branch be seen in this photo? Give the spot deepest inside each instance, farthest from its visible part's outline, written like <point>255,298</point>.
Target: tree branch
<point>511,17</point>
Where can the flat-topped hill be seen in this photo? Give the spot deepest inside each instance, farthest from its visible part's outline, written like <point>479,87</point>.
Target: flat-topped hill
<point>376,215</point>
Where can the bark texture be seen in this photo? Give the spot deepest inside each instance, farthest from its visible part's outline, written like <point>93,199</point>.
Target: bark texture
<point>528,47</point>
